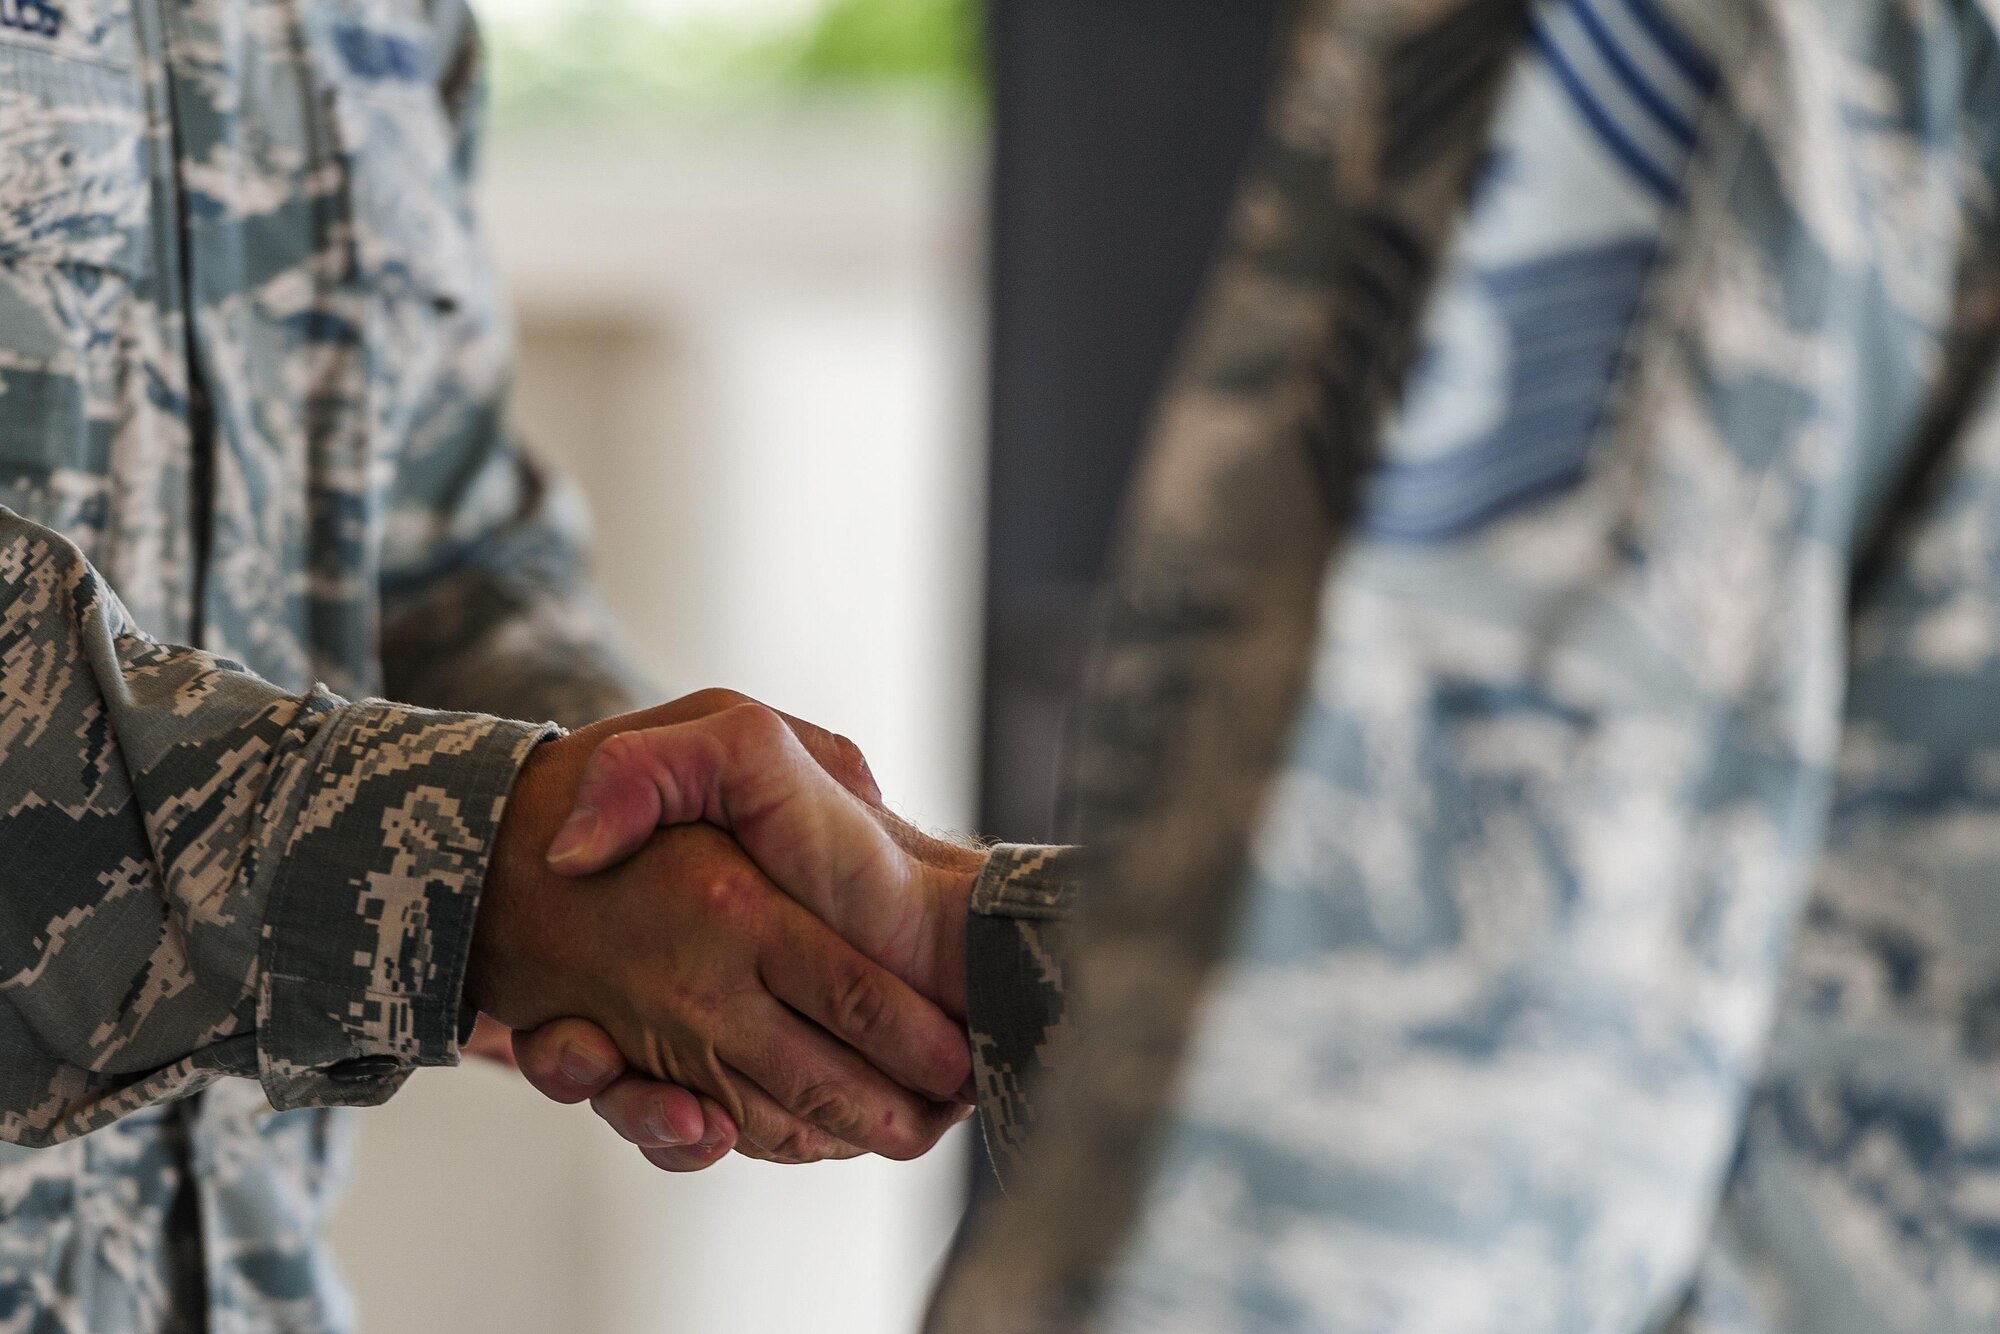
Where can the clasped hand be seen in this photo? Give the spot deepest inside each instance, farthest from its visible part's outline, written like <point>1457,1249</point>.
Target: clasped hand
<point>700,917</point>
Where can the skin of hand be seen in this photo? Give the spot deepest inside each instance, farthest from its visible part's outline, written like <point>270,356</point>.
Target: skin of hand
<point>703,974</point>
<point>574,1059</point>
<point>492,1041</point>
<point>894,892</point>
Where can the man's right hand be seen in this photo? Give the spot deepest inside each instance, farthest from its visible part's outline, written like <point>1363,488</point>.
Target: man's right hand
<point>706,976</point>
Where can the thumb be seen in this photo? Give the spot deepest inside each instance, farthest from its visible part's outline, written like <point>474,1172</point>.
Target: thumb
<point>624,793</point>
<point>747,771</point>
<point>619,803</point>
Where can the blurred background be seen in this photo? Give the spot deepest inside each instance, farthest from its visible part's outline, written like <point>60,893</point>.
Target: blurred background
<point>846,314</point>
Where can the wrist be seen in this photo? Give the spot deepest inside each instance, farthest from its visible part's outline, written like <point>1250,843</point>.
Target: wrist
<point>507,930</point>
<point>953,899</point>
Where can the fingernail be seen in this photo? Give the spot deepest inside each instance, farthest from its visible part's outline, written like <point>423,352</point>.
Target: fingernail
<point>574,837</point>
<point>661,1129</point>
<point>583,1067</point>
<point>710,1140</point>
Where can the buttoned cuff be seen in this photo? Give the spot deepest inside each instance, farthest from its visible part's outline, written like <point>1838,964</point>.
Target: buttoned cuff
<point>377,858</point>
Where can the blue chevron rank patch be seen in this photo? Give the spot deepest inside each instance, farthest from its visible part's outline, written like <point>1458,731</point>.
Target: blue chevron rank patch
<point>1524,335</point>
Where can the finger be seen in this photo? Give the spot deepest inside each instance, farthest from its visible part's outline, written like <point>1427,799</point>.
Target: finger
<point>637,781</point>
<point>824,1084</point>
<point>491,1040</point>
<point>742,1115</point>
<point>619,802</point>
<point>841,758</point>
<point>744,758</point>
<point>653,1115</point>
<point>835,753</point>
<point>845,763</point>
<point>742,768</point>
<point>568,1059</point>
<point>771,1134</point>
<point>692,1158</point>
<point>716,1142</point>
<point>717,1139</point>
<point>862,1004</point>
<point>840,1153</point>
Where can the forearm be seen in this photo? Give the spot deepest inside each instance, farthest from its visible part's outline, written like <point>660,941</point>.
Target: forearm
<point>212,875</point>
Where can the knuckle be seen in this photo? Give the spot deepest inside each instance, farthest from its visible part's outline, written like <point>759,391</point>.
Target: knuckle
<point>903,1144</point>
<point>845,758</point>
<point>620,748</point>
<point>860,1002</point>
<point>802,1144</point>
<point>716,699</point>
<point>951,1058</point>
<point>756,726</point>
<point>695,1006</point>
<point>827,1105</point>
<point>926,1129</point>
<point>610,763</point>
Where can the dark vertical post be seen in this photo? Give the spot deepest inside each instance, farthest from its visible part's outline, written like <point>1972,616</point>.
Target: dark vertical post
<point>1120,127</point>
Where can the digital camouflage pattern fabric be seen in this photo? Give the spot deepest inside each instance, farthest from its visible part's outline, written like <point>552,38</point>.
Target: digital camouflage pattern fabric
<point>251,382</point>
<point>1016,940</point>
<point>1531,896</point>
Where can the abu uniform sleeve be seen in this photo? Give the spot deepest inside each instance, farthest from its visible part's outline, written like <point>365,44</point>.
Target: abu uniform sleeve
<point>1016,934</point>
<point>209,876</point>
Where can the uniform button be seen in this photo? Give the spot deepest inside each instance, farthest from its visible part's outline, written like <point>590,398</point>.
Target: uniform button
<point>361,1069</point>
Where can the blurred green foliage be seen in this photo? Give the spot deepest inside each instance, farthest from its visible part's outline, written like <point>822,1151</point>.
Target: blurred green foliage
<point>613,57</point>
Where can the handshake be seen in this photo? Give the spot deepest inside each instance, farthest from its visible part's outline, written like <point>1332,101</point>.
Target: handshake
<point>701,917</point>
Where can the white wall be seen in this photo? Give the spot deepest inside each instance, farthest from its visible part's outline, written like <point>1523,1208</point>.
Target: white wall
<point>755,347</point>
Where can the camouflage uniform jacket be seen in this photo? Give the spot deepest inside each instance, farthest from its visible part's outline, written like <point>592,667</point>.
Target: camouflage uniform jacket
<point>251,371</point>
<point>1544,880</point>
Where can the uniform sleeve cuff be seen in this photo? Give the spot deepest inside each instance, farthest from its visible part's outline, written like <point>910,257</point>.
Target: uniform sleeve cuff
<point>1016,938</point>
<point>379,856</point>
<point>1025,880</point>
